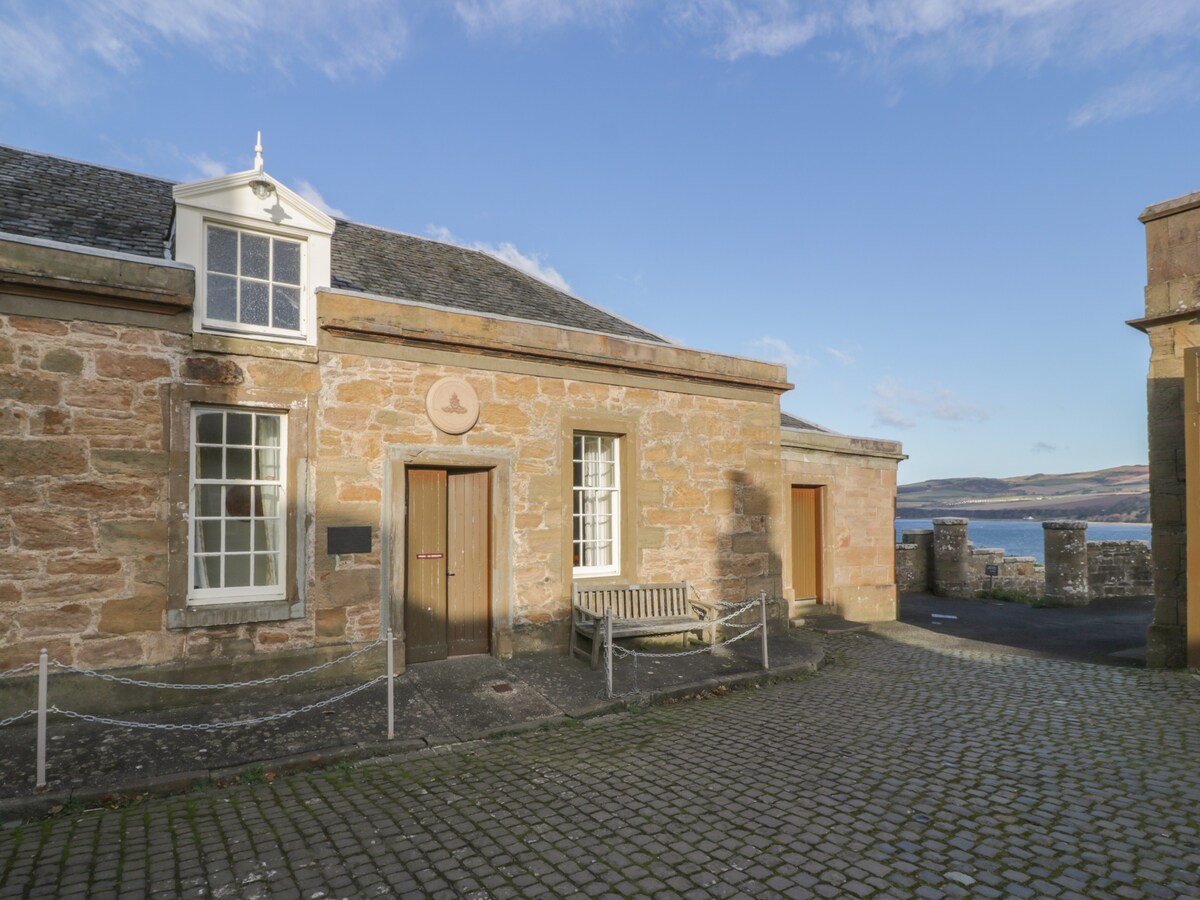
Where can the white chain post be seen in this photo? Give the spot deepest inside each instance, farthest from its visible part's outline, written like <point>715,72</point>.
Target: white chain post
<point>390,692</point>
<point>763,622</point>
<point>43,679</point>
<point>608,675</point>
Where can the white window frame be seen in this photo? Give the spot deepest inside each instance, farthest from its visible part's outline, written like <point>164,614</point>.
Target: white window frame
<point>202,596</point>
<point>218,325</point>
<point>614,492</point>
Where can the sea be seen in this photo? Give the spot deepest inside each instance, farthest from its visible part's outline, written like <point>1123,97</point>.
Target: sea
<point>1022,537</point>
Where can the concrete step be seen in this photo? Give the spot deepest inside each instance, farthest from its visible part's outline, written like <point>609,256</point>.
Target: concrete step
<point>814,617</point>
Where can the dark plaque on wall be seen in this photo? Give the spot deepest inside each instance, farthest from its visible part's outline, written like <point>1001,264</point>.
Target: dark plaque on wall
<point>991,570</point>
<point>349,539</point>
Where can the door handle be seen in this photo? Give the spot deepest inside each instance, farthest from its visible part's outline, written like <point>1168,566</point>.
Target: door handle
<point>450,574</point>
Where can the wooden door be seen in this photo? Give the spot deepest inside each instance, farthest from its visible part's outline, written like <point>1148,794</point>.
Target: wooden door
<point>467,562</point>
<point>448,564</point>
<point>806,543</point>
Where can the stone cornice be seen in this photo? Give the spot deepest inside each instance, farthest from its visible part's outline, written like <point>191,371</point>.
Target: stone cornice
<point>60,272</point>
<point>795,439</point>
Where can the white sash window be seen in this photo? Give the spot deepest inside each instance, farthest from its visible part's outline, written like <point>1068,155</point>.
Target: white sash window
<point>596,505</point>
<point>238,505</point>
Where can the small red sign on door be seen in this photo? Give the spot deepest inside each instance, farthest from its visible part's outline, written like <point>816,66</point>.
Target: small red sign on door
<point>429,555</point>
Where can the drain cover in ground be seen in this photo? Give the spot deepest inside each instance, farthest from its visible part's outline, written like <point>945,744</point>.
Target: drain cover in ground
<point>502,687</point>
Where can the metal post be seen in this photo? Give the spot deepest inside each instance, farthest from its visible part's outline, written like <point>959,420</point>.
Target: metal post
<point>391,689</point>
<point>43,679</point>
<point>763,622</point>
<point>608,675</point>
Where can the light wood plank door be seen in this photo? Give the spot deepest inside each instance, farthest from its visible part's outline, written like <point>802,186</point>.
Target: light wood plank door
<point>447,608</point>
<point>806,542</point>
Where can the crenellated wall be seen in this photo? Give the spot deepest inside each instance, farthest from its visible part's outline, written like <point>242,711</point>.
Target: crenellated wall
<point>942,561</point>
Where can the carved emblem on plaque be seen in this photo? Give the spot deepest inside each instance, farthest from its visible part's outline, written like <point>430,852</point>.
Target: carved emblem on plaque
<point>452,405</point>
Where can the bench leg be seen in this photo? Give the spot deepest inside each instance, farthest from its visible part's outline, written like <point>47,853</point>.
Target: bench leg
<point>596,642</point>
<point>571,645</point>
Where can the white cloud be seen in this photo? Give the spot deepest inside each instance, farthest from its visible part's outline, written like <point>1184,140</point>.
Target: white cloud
<point>506,252</point>
<point>903,406</point>
<point>845,357</point>
<point>313,196</point>
<point>67,51</point>
<point>778,351</point>
<point>480,16</point>
<point>1142,94</point>
<point>207,166</point>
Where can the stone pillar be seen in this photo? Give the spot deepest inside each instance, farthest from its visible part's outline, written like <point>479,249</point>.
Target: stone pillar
<point>1066,563</point>
<point>922,541</point>
<point>951,558</point>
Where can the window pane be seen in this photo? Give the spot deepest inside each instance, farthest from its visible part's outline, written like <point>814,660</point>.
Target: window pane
<point>222,298</point>
<point>209,427</point>
<point>267,428</point>
<point>266,502</point>
<point>208,572</point>
<point>222,250</point>
<point>264,534</point>
<point>209,500</point>
<point>268,465</point>
<point>285,307</point>
<point>237,571</point>
<point>287,262</point>
<point>208,535</point>
<point>209,462</point>
<point>237,464</point>
<point>255,307</point>
<point>256,250</point>
<point>239,429</point>
<point>265,569</point>
<point>237,501</point>
<point>237,536</point>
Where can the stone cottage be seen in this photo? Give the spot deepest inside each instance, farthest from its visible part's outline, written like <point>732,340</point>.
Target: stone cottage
<point>235,429</point>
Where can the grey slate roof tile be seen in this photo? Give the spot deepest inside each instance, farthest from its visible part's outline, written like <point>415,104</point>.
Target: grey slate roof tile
<point>59,199</point>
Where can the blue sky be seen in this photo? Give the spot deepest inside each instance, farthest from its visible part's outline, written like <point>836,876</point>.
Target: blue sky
<point>926,208</point>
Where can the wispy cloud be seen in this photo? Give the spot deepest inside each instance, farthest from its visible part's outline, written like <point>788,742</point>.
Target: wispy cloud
<point>778,351</point>
<point>313,196</point>
<point>480,16</point>
<point>1043,447</point>
<point>845,357</point>
<point>1142,94</point>
<point>903,406</point>
<point>206,166</point>
<point>68,50</point>
<point>507,252</point>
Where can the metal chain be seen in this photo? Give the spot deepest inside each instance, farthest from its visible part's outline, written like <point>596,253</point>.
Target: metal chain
<point>135,682</point>
<point>625,651</point>
<point>216,726</point>
<point>18,717</point>
<point>18,670</point>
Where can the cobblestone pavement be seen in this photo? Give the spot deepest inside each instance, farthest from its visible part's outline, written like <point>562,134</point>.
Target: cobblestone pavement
<point>910,766</point>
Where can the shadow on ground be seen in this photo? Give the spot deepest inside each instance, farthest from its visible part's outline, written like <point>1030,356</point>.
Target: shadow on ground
<point>1110,632</point>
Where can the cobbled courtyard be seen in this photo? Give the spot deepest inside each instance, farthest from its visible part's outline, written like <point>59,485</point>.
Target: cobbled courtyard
<point>909,766</point>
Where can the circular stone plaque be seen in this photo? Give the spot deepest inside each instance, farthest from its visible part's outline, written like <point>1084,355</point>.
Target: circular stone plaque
<point>453,406</point>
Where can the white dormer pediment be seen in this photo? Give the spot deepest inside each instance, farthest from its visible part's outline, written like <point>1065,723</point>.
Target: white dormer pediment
<point>231,195</point>
<point>260,251</point>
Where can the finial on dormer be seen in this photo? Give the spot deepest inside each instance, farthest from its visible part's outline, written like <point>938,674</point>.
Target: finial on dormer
<point>258,161</point>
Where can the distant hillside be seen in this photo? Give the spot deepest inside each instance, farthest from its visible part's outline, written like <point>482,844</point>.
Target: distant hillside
<point>1109,495</point>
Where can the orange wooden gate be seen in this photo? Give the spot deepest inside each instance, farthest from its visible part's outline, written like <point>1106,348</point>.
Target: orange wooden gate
<point>447,608</point>
<point>806,543</point>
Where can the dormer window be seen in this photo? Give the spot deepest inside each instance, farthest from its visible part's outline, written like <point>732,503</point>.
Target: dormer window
<point>261,253</point>
<point>253,281</point>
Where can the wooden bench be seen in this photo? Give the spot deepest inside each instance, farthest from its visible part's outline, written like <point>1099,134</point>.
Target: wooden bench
<point>639,610</point>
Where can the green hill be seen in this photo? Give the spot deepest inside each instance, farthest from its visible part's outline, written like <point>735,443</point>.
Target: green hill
<point>1120,494</point>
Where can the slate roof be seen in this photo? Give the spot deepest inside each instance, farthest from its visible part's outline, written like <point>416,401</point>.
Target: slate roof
<point>89,205</point>
<point>790,421</point>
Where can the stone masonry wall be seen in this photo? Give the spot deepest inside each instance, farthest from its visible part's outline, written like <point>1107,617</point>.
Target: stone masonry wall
<point>914,561</point>
<point>1119,569</point>
<point>858,576</point>
<point>84,488</point>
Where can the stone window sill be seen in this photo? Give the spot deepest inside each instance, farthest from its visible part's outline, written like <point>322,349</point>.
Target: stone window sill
<point>234,614</point>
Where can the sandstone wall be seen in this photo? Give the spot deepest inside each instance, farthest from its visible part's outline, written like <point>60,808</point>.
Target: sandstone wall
<point>90,471</point>
<point>1119,569</point>
<point>858,482</point>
